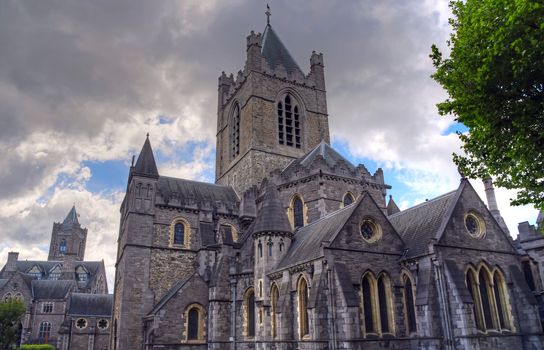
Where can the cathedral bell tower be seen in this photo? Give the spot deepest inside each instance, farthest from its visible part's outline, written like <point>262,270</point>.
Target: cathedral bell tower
<point>269,114</point>
<point>68,239</point>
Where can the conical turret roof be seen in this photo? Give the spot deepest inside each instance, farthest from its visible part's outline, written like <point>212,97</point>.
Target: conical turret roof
<point>275,53</point>
<point>145,165</point>
<point>71,218</point>
<point>271,215</point>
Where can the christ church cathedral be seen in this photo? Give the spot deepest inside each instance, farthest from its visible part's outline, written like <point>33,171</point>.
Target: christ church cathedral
<point>294,247</point>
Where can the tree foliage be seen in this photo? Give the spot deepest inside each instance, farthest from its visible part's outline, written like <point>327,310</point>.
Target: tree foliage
<point>494,77</point>
<point>11,314</point>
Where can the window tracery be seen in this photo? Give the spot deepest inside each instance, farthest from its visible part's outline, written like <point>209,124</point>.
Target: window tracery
<point>289,126</point>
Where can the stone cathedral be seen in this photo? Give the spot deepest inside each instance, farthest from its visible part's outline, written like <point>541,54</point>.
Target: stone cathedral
<point>294,247</point>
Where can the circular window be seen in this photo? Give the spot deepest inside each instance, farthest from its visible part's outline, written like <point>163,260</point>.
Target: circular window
<point>474,225</point>
<point>103,324</point>
<point>81,323</point>
<point>370,230</point>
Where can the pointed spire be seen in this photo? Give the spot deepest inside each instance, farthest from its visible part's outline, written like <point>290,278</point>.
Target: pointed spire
<point>71,218</point>
<point>275,53</point>
<point>392,207</point>
<point>271,215</point>
<point>145,165</point>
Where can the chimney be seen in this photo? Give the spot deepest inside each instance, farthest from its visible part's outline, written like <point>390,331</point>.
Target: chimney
<point>11,265</point>
<point>492,203</point>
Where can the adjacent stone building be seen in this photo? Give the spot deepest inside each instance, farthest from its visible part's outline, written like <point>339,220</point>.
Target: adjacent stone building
<point>294,247</point>
<point>66,298</point>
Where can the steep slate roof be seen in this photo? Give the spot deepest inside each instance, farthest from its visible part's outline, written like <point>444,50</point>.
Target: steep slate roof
<point>417,225</point>
<point>44,289</point>
<point>194,191</point>
<point>3,282</point>
<point>145,165</point>
<point>275,53</point>
<point>23,266</point>
<point>324,150</point>
<point>306,243</point>
<point>71,218</point>
<point>271,216</point>
<point>86,304</point>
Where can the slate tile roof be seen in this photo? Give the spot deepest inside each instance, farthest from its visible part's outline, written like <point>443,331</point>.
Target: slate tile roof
<point>44,289</point>
<point>24,266</point>
<point>275,53</point>
<point>324,150</point>
<point>417,225</point>
<point>170,294</point>
<point>71,218</point>
<point>86,304</point>
<point>271,215</point>
<point>189,191</point>
<point>307,240</point>
<point>145,165</point>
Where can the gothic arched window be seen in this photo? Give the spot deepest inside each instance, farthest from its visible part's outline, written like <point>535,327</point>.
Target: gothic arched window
<point>62,246</point>
<point>289,122</point>
<point>179,234</point>
<point>194,318</point>
<point>44,332</point>
<point>367,287</point>
<point>298,211</point>
<point>274,296</point>
<point>348,199</point>
<point>235,131</point>
<point>409,305</point>
<point>303,307</point>
<point>484,295</point>
<point>477,306</point>
<point>249,302</point>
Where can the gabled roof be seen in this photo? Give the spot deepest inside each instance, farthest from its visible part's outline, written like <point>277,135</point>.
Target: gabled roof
<point>275,53</point>
<point>324,150</point>
<point>417,225</point>
<point>86,304</point>
<point>145,165</point>
<point>71,218</point>
<point>188,191</point>
<point>308,239</point>
<point>44,289</point>
<point>271,215</point>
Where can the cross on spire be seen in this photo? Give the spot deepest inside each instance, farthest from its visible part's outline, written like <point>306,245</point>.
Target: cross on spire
<point>268,14</point>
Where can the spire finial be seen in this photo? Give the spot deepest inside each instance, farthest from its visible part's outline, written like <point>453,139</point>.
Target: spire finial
<point>147,135</point>
<point>268,14</point>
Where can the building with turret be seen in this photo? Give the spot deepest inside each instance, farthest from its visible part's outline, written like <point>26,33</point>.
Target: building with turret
<point>295,247</point>
<point>66,297</point>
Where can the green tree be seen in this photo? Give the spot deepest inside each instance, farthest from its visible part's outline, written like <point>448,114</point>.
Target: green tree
<point>494,77</point>
<point>11,314</point>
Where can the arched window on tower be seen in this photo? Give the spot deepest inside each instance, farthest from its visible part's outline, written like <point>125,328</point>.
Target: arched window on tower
<point>249,318</point>
<point>303,307</point>
<point>274,296</point>
<point>179,234</point>
<point>62,246</point>
<point>235,131</point>
<point>289,122</point>
<point>348,199</point>
<point>298,212</point>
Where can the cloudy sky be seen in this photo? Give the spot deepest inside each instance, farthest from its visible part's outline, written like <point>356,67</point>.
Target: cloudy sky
<point>81,83</point>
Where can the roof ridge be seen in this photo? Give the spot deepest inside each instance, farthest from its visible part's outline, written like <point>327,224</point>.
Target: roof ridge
<point>423,203</point>
<point>195,181</point>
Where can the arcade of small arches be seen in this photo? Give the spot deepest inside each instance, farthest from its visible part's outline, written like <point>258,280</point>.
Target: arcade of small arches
<point>491,306</point>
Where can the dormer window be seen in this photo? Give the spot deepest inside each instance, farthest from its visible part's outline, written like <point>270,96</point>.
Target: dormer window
<point>289,122</point>
<point>35,272</point>
<point>54,273</point>
<point>62,246</point>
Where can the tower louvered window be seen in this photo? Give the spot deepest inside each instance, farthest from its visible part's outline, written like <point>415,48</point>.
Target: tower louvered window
<point>62,246</point>
<point>235,134</point>
<point>289,122</point>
